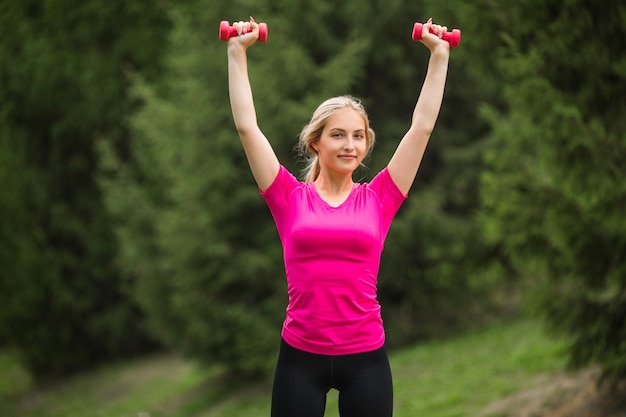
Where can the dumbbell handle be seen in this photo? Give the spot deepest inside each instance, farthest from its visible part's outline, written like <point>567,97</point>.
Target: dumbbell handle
<point>227,31</point>
<point>453,37</point>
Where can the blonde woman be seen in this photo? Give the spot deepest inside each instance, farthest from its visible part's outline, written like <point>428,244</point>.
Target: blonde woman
<point>332,231</point>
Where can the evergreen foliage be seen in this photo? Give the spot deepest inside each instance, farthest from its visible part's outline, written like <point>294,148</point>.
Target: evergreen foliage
<point>554,194</point>
<point>62,86</point>
<point>127,201</point>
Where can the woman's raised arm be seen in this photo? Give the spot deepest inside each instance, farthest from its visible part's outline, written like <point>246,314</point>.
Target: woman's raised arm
<point>261,157</point>
<point>406,160</point>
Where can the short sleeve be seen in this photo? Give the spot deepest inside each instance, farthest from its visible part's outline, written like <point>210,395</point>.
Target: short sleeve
<point>388,193</point>
<point>277,194</point>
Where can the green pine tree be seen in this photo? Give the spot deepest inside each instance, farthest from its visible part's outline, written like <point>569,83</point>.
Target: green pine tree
<point>63,87</point>
<point>554,195</point>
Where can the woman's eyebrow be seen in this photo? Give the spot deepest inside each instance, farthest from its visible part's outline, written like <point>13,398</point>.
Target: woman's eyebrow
<point>344,130</point>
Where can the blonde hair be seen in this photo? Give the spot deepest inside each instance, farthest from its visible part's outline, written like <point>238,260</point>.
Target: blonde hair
<point>312,132</point>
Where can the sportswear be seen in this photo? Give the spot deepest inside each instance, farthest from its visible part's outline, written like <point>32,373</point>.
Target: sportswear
<point>332,257</point>
<point>303,379</point>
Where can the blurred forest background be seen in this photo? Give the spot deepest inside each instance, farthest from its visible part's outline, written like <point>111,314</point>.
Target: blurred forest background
<point>130,223</point>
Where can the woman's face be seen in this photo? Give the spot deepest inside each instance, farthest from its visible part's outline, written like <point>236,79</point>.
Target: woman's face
<point>343,143</point>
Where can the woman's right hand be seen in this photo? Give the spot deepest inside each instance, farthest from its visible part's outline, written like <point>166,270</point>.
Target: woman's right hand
<point>249,33</point>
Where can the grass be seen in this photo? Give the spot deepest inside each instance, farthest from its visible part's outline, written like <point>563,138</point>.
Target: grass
<point>451,378</point>
<point>460,377</point>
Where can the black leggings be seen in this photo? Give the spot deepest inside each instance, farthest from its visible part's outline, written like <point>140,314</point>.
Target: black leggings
<point>303,379</point>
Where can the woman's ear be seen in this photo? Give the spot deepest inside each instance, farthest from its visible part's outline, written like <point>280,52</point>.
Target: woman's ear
<point>314,146</point>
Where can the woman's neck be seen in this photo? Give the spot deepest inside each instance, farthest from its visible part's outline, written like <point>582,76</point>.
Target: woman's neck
<point>334,191</point>
<point>335,184</point>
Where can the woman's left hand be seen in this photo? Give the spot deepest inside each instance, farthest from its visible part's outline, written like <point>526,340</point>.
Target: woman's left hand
<point>432,34</point>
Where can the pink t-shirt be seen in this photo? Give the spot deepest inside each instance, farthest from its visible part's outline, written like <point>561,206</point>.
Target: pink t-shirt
<point>332,257</point>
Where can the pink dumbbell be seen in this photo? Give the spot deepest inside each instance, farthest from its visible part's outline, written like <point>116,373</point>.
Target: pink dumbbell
<point>227,31</point>
<point>453,38</point>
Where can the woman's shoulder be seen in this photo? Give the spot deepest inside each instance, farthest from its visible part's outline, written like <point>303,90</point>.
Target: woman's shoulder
<point>384,186</point>
<point>285,181</point>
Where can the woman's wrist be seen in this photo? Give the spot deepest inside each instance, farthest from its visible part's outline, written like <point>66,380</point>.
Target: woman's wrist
<point>236,48</point>
<point>442,50</point>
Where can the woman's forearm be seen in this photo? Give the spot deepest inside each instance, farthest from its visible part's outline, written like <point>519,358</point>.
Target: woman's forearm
<point>240,92</point>
<point>431,96</point>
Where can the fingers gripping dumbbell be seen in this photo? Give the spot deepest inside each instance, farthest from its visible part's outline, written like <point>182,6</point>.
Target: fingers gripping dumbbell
<point>453,37</point>
<point>227,31</point>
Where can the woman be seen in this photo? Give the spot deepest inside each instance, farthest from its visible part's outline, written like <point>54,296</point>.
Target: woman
<point>332,231</point>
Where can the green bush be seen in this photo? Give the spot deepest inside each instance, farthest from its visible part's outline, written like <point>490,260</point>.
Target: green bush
<point>62,86</point>
<point>554,194</point>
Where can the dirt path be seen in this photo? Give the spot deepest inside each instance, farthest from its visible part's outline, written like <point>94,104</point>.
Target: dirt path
<point>569,395</point>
